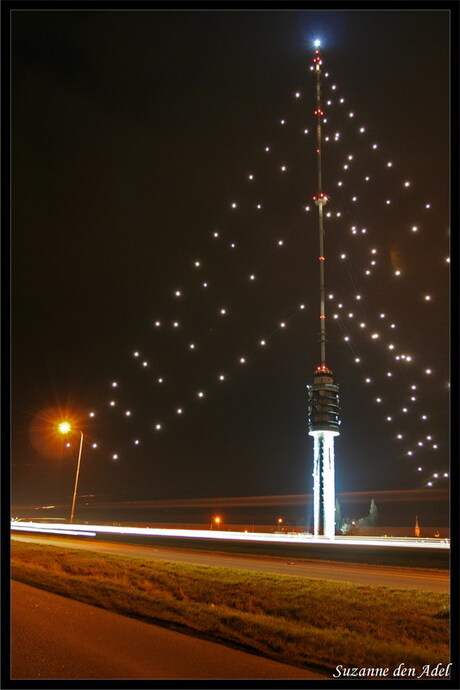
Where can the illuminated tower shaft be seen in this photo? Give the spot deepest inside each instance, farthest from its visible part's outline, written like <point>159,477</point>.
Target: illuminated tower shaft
<point>323,394</point>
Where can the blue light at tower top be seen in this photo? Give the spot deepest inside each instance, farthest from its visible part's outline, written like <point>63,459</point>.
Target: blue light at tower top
<point>317,43</point>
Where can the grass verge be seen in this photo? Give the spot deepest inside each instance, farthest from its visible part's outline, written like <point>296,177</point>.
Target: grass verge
<point>291,619</point>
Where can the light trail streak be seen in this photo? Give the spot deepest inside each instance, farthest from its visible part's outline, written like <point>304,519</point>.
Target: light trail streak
<point>32,527</point>
<point>274,500</point>
<point>234,536</point>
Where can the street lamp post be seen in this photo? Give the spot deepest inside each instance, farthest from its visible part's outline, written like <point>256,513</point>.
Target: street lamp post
<point>65,428</point>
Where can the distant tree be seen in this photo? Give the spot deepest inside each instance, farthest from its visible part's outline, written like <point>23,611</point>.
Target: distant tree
<point>373,514</point>
<point>338,516</point>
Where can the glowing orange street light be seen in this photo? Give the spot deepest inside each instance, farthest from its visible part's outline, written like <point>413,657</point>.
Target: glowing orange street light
<point>216,520</point>
<point>66,428</point>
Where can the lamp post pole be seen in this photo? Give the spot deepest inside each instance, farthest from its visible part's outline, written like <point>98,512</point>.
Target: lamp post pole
<point>76,479</point>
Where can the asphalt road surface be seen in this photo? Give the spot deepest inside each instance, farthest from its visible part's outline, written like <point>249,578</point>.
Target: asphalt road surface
<point>387,576</point>
<point>56,637</point>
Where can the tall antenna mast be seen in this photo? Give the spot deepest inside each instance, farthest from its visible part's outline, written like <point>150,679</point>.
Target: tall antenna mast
<point>323,394</point>
<point>320,200</point>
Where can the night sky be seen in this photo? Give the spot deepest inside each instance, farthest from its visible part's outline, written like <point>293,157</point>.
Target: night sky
<point>133,133</point>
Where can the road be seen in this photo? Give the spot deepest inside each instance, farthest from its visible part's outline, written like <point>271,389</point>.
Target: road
<point>386,576</point>
<point>56,637</point>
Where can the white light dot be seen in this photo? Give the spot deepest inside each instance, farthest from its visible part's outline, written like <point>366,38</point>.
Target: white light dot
<point>215,234</point>
<point>233,245</point>
<point>407,183</point>
<point>135,354</point>
<point>399,436</point>
<point>351,114</point>
<point>427,298</point>
<point>428,371</point>
<point>157,427</point>
<point>339,183</point>
<point>178,293</point>
<point>419,469</point>
<point>259,206</point>
<point>136,442</point>
<point>157,324</point>
<point>280,243</point>
<point>446,474</point>
<point>179,410</point>
<point>200,394</point>
<point>429,483</point>
<point>357,360</point>
<point>115,456</point>
<point>397,273</point>
<point>409,452</point>
<point>282,122</point>
<point>223,311</point>
<point>112,403</point>
<point>94,445</point>
<point>362,130</point>
<point>305,131</point>
<point>221,377</point>
<point>263,342</point>
<point>175,324</point>
<point>362,325</point>
<point>374,146</point>
<point>302,306</point>
<point>389,164</point>
<point>379,400</point>
<point>267,148</point>
<point>160,380</point>
<point>389,373</point>
<point>414,228</point>
<point>367,178</point>
<point>427,205</point>
<point>297,94</point>
<point>197,264</point>
<point>250,177</point>
<point>358,297</point>
<point>128,413</point>
<point>424,417</point>
<point>343,256</point>
<point>374,336</point>
<point>192,346</point>
<point>252,277</point>
<point>114,384</point>
<point>205,285</point>
<point>145,364</point>
<point>91,414</point>
<point>282,324</point>
<point>233,204</point>
<point>283,168</point>
<point>242,360</point>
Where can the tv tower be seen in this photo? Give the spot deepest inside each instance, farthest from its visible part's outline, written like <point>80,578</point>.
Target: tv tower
<point>323,394</point>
